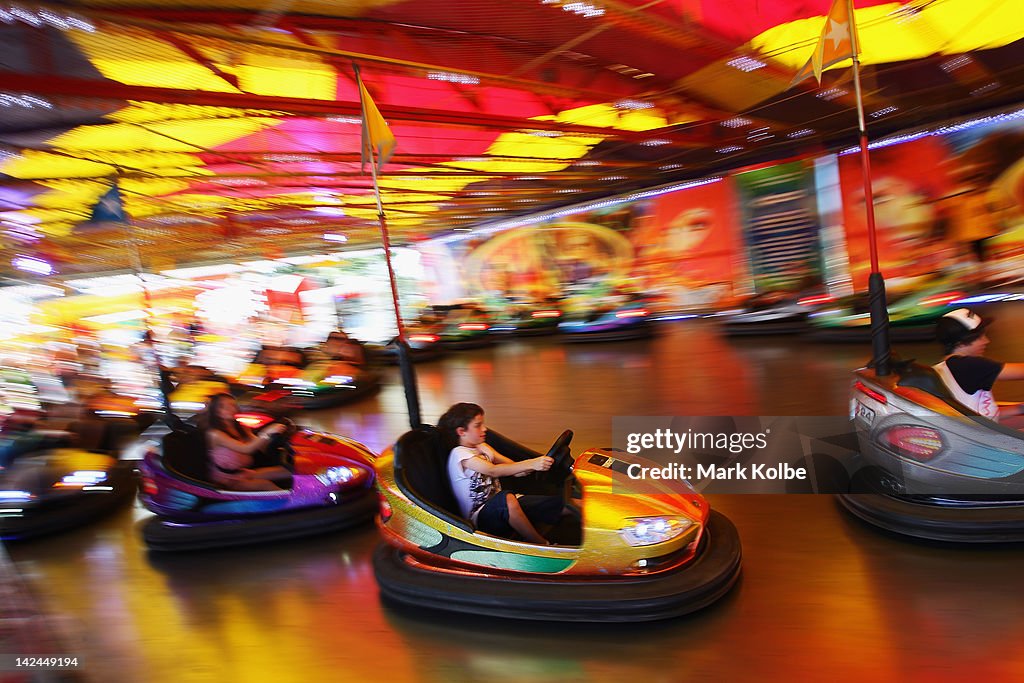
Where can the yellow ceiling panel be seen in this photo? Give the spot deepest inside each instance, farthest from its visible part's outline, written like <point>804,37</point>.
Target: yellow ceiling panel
<point>76,198</point>
<point>33,165</point>
<point>895,32</point>
<point>280,74</point>
<point>526,145</point>
<point>548,154</point>
<point>321,7</point>
<point>974,26</point>
<point>139,57</point>
<point>403,197</point>
<point>151,112</point>
<point>171,136</point>
<point>731,89</point>
<point>54,221</point>
<point>171,163</point>
<point>609,116</point>
<point>135,57</point>
<point>145,189</point>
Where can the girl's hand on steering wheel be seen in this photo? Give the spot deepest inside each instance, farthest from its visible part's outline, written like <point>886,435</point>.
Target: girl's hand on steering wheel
<point>543,463</point>
<point>276,428</point>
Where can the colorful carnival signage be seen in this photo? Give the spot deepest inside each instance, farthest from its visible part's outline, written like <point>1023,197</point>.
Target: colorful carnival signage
<point>780,224</point>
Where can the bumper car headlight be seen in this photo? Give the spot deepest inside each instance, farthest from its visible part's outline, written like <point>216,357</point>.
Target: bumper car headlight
<point>650,530</point>
<point>115,413</point>
<point>189,407</point>
<point>294,382</point>
<point>148,404</point>
<point>81,478</point>
<point>336,475</point>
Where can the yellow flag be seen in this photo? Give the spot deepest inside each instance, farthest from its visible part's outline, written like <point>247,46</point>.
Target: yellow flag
<point>838,41</point>
<point>377,136</point>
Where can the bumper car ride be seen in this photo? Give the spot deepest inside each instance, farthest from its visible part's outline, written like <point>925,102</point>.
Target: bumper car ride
<point>911,317</point>
<point>257,376</point>
<point>423,346</point>
<point>331,489</point>
<point>466,336</point>
<point>461,326</point>
<point>627,553</point>
<point>933,468</point>
<point>529,321</point>
<point>320,385</point>
<point>17,440</point>
<point>55,490</point>
<point>627,322</point>
<point>770,313</point>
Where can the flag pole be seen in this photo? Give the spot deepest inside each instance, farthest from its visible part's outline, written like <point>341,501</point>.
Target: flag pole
<point>163,377</point>
<point>408,372</point>
<point>880,346</point>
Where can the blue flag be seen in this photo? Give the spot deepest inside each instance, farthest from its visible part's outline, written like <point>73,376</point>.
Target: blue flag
<point>109,208</point>
<point>107,213</point>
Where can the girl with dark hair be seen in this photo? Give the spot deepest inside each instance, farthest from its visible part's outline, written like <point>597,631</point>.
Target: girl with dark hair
<point>232,446</point>
<point>474,468</point>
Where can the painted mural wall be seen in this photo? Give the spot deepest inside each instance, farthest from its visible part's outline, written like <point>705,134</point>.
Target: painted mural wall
<point>681,248</point>
<point>948,205</point>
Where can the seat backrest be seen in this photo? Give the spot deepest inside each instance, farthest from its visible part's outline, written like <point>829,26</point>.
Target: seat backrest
<point>421,472</point>
<point>184,454</point>
<point>928,380</point>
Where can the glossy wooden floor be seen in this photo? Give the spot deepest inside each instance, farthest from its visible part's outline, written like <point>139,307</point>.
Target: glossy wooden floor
<point>821,597</point>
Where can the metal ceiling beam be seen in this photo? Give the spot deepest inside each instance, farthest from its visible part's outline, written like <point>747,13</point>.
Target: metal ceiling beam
<point>56,85</point>
<point>624,15</point>
<point>219,31</point>
<point>200,58</point>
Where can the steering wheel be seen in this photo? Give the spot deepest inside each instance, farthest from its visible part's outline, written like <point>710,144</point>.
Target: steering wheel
<point>280,444</point>
<point>561,454</point>
<point>290,428</point>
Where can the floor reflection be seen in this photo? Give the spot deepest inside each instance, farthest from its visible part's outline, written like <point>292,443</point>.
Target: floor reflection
<point>820,592</point>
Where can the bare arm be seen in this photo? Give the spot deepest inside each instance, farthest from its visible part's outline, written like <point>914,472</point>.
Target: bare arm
<point>507,468</point>
<point>503,459</point>
<point>220,438</point>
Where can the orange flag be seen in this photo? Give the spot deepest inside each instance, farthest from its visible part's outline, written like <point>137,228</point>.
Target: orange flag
<point>838,41</point>
<point>377,136</point>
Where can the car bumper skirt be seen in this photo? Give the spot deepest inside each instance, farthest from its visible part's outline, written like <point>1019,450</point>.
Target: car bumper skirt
<point>703,581</point>
<point>355,508</point>
<point>960,520</point>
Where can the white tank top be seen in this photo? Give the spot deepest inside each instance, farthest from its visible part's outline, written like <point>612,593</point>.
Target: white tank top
<point>981,401</point>
<point>471,489</point>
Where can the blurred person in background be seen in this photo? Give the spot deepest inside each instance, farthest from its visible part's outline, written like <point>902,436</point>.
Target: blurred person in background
<point>340,347</point>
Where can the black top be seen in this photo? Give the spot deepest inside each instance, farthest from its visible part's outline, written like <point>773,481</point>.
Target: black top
<point>974,373</point>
